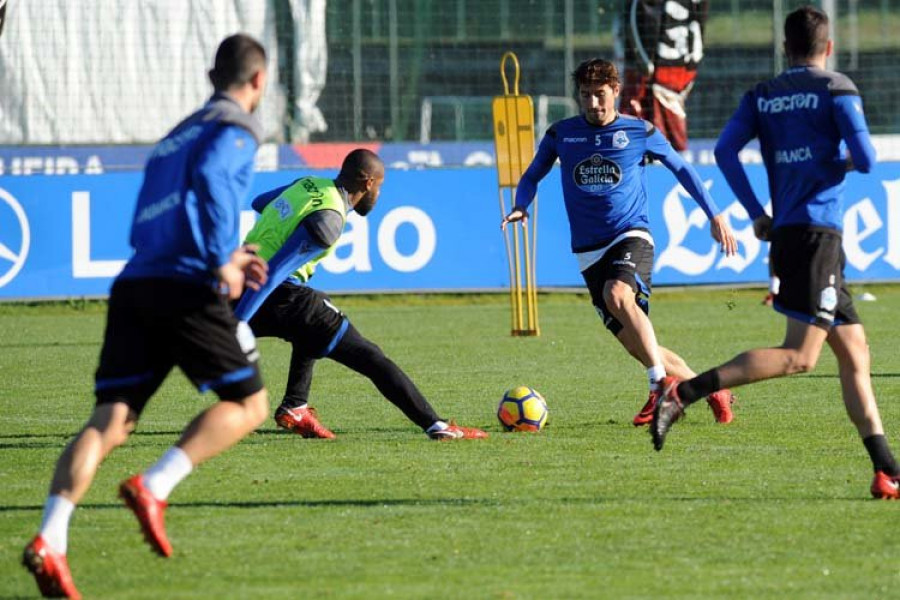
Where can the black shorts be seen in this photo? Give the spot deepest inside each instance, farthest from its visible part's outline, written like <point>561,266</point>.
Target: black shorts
<point>630,261</point>
<point>303,316</point>
<point>808,263</point>
<point>154,324</point>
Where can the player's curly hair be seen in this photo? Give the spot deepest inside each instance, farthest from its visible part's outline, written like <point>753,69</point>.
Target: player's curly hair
<point>596,71</point>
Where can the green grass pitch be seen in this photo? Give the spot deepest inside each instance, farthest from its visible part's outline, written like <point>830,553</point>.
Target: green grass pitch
<point>775,505</point>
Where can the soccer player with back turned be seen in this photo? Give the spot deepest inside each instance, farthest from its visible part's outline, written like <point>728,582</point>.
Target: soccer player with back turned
<point>602,157</point>
<point>800,118</point>
<point>169,307</point>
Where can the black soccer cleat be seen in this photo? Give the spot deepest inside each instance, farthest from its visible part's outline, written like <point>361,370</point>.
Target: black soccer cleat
<point>668,410</point>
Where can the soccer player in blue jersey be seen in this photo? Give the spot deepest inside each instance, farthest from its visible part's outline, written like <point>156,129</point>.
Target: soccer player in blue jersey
<point>800,118</point>
<point>169,307</point>
<point>602,156</point>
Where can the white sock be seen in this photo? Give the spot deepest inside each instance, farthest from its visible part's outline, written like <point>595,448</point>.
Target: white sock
<point>55,524</point>
<point>438,426</point>
<point>168,472</point>
<point>655,374</point>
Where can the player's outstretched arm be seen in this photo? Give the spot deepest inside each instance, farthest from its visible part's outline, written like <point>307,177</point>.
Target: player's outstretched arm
<point>527,186</point>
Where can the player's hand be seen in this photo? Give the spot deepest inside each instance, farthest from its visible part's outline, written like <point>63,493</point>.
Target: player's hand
<point>244,268</point>
<point>231,280</point>
<point>255,268</point>
<point>761,227</point>
<point>517,214</point>
<point>721,232</point>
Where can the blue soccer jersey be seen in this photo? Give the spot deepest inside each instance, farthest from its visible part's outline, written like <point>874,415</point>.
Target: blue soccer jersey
<point>800,118</point>
<point>186,222</point>
<point>602,172</point>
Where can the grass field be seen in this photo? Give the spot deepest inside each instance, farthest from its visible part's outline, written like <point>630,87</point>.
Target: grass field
<point>775,505</point>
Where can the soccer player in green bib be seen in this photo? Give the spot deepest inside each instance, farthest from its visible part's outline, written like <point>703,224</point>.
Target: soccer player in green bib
<point>299,225</point>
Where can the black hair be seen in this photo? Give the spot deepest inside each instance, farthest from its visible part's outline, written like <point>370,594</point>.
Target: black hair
<point>238,59</point>
<point>805,32</point>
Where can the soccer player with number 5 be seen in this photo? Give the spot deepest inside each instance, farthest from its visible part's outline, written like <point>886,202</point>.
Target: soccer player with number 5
<point>602,157</point>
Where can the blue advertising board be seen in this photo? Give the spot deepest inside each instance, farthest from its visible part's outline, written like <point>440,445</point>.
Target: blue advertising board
<point>433,229</point>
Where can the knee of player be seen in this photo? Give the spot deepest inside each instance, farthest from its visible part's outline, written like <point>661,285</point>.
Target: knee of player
<point>114,437</point>
<point>799,362</point>
<point>112,423</point>
<point>617,295</point>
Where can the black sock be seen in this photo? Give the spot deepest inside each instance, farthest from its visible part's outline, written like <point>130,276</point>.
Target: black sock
<point>699,387</point>
<point>880,453</point>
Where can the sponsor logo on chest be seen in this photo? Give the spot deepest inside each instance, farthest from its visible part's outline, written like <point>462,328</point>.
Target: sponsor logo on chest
<point>597,174</point>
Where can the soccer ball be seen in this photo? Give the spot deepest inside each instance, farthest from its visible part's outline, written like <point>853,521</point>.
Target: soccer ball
<point>522,409</point>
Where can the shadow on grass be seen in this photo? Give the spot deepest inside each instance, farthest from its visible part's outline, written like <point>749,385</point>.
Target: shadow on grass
<point>274,431</point>
<point>50,344</point>
<point>452,502</point>
<point>290,503</point>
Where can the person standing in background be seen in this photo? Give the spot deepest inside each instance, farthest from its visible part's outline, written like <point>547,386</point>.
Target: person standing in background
<point>663,48</point>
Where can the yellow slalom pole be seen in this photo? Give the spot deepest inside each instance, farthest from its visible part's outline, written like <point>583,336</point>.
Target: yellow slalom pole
<point>509,259</point>
<point>529,282</point>
<point>517,282</point>
<point>514,143</point>
<point>533,323</point>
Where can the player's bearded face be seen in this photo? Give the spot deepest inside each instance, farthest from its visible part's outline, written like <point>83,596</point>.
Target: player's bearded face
<point>365,204</point>
<point>598,102</point>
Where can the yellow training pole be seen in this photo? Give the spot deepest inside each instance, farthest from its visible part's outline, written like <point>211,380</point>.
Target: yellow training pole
<point>514,144</point>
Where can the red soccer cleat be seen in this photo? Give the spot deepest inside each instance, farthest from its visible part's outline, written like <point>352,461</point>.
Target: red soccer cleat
<point>149,511</point>
<point>646,415</point>
<point>885,487</point>
<point>302,421</point>
<point>455,432</point>
<point>50,570</point>
<point>720,402</point>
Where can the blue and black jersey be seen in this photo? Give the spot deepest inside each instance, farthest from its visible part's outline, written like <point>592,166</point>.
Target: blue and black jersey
<point>800,118</point>
<point>186,223</point>
<point>602,172</point>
